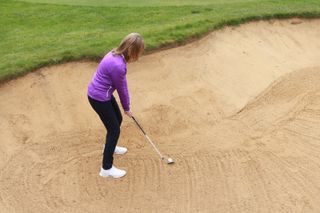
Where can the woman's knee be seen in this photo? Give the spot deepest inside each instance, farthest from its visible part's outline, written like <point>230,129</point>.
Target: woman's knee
<point>115,131</point>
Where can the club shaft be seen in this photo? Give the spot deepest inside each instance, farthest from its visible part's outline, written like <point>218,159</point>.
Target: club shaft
<point>147,137</point>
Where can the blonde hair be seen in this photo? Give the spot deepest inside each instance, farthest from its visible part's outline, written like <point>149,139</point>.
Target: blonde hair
<point>131,47</point>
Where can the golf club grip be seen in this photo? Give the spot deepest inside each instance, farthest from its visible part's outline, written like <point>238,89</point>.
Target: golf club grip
<point>139,125</point>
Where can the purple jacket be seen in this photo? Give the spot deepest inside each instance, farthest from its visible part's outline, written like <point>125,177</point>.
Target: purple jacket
<point>110,76</point>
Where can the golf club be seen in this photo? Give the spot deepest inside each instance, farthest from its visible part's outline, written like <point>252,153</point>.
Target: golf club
<point>167,160</point>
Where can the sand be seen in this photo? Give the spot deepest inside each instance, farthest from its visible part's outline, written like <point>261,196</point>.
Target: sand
<point>238,110</point>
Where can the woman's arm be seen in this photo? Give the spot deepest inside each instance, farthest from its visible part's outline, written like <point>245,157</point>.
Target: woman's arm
<point>119,80</point>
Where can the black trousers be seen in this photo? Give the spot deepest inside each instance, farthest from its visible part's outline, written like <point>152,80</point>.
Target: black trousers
<point>111,117</point>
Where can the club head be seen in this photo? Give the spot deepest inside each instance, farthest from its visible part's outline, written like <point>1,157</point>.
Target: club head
<point>169,161</point>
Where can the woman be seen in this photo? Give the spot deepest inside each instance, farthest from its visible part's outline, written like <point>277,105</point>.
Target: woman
<point>111,76</point>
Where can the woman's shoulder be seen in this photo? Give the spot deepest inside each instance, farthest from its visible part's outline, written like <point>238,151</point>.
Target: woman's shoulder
<point>114,61</point>
<point>112,57</point>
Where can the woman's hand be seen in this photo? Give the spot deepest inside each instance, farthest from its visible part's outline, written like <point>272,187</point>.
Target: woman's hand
<point>128,113</point>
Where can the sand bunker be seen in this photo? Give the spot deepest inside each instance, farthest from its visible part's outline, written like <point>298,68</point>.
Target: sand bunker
<point>238,110</point>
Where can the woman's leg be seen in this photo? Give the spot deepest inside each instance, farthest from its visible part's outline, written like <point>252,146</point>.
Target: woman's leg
<point>108,116</point>
<point>117,110</point>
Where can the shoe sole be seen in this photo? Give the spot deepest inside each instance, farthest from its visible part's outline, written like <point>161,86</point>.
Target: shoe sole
<point>120,153</point>
<point>115,177</point>
<point>117,153</point>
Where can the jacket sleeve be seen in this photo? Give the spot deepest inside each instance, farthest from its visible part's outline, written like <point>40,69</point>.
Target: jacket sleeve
<point>119,80</point>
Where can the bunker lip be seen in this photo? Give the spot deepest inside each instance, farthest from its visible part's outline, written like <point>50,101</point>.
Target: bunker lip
<point>238,110</point>
<point>294,18</point>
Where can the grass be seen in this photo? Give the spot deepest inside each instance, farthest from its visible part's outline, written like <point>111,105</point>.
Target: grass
<point>136,3</point>
<point>33,35</point>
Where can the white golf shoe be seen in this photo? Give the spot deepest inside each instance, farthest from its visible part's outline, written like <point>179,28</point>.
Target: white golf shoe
<point>118,150</point>
<point>113,172</point>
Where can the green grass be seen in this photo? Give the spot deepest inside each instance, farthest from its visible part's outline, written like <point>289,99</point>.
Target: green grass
<point>136,3</point>
<point>33,35</point>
